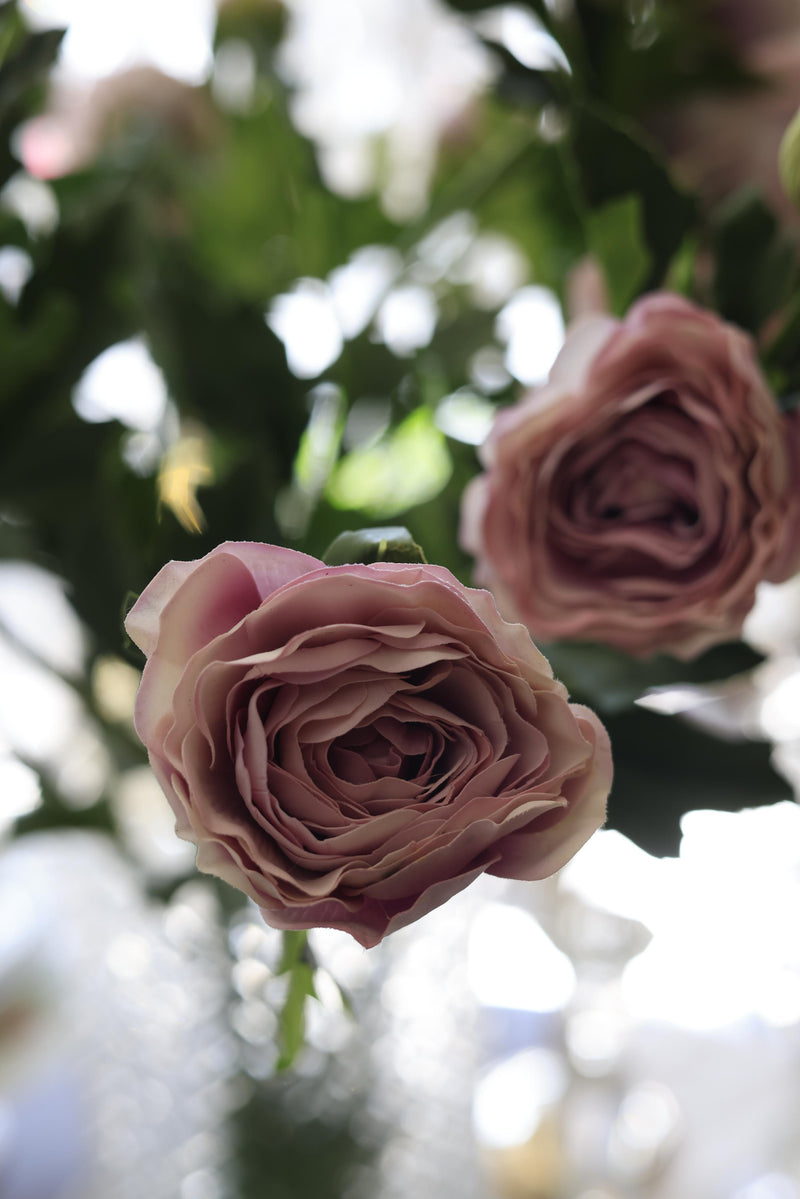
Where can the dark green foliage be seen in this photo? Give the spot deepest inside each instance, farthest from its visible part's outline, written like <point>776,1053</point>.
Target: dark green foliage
<point>610,680</point>
<point>756,262</point>
<point>24,60</point>
<point>390,544</point>
<point>613,160</point>
<point>664,768</point>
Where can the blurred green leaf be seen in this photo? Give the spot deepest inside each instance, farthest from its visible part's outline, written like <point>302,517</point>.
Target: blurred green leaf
<point>616,238</point>
<point>259,213</point>
<point>406,466</point>
<point>639,57</point>
<point>755,263</point>
<point>611,680</point>
<point>664,767</point>
<point>24,60</point>
<point>613,161</point>
<point>524,189</point>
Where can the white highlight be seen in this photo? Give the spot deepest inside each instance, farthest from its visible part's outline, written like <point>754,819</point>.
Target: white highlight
<point>123,384</point>
<point>532,326</point>
<point>511,1099</point>
<point>306,322</point>
<point>514,964</point>
<point>103,38</point>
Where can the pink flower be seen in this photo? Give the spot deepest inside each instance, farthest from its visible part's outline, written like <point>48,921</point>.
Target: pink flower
<point>351,746</point>
<point>640,495</point>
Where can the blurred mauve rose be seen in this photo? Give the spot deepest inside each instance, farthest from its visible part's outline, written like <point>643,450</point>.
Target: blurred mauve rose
<point>744,23</point>
<point>642,493</point>
<point>350,746</point>
<point>722,140</point>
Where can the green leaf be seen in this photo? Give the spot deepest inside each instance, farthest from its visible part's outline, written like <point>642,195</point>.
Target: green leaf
<point>680,276</point>
<point>403,468</point>
<point>25,65</point>
<point>525,86</point>
<point>260,217</point>
<point>664,767</point>
<point>616,237</point>
<point>789,160</point>
<point>392,543</point>
<point>527,193</point>
<point>613,161</point>
<point>612,681</point>
<point>24,59</point>
<point>755,266</point>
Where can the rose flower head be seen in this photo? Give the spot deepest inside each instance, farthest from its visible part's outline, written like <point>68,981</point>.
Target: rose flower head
<point>640,495</point>
<point>352,745</point>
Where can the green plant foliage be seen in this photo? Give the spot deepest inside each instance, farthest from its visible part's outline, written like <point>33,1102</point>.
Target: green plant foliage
<point>400,470</point>
<point>24,60</point>
<point>756,263</point>
<point>393,543</point>
<point>527,193</point>
<point>611,681</point>
<point>665,767</point>
<point>616,238</point>
<point>613,160</point>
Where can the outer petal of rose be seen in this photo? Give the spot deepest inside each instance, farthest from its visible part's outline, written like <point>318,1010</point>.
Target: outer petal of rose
<point>354,593</point>
<point>272,566</point>
<point>174,790</point>
<point>474,499</point>
<point>190,608</point>
<point>586,291</point>
<point>455,853</point>
<point>370,921</point>
<point>269,566</point>
<point>143,619</point>
<point>212,597</point>
<point>513,638</point>
<point>537,853</point>
<point>587,337</point>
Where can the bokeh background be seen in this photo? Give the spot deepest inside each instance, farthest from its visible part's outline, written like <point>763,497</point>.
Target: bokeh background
<point>267,270</point>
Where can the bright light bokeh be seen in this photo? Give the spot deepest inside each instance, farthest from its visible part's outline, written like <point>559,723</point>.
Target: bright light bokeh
<point>512,1098</point>
<point>123,384</point>
<point>514,964</point>
<point>306,322</point>
<point>532,326</point>
<point>421,69</point>
<point>104,37</point>
<point>16,267</point>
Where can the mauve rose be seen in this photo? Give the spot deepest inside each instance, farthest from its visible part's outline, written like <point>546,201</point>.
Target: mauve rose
<point>352,745</point>
<point>639,496</point>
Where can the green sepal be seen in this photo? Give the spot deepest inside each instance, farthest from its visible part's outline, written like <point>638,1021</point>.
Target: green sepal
<point>389,543</point>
